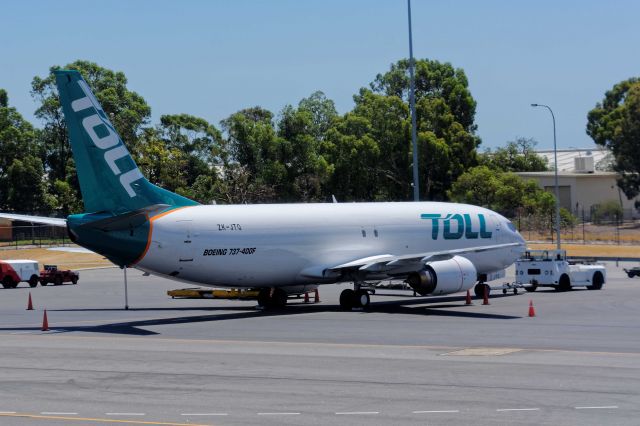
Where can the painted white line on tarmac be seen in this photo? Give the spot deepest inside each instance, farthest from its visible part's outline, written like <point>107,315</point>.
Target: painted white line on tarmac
<point>597,408</point>
<point>349,413</point>
<point>7,412</point>
<point>278,414</point>
<point>435,411</point>
<point>57,413</point>
<point>204,414</point>
<point>125,414</point>
<point>518,409</point>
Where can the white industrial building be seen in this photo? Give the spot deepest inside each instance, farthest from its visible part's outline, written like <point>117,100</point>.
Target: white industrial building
<point>584,180</point>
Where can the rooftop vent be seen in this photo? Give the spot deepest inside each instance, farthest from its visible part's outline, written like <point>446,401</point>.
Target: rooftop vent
<point>584,164</point>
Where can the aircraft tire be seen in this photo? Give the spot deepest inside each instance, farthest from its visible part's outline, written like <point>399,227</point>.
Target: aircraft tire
<point>361,299</point>
<point>264,297</point>
<point>347,299</point>
<point>279,298</point>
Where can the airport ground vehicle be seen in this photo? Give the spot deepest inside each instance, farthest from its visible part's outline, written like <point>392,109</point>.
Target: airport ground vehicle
<point>51,274</point>
<point>13,272</point>
<point>633,272</point>
<point>551,268</point>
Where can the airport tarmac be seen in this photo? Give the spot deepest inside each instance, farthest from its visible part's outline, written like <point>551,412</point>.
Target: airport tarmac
<point>405,361</point>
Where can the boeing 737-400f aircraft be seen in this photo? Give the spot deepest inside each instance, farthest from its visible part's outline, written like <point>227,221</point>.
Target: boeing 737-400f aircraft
<point>281,249</point>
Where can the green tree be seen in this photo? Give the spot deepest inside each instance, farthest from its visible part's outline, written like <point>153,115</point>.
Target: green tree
<point>127,110</point>
<point>445,112</point>
<point>20,162</point>
<point>299,153</point>
<point>518,156</point>
<point>161,163</point>
<point>504,192</point>
<point>199,140</point>
<point>253,146</point>
<point>27,190</point>
<point>615,124</point>
<point>323,113</point>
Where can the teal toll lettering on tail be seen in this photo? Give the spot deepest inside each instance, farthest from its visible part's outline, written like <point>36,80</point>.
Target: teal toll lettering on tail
<point>118,200</point>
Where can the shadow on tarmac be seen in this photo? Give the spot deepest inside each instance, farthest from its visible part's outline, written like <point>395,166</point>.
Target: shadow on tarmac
<point>136,327</point>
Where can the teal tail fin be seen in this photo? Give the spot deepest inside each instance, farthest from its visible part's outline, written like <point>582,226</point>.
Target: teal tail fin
<point>110,180</point>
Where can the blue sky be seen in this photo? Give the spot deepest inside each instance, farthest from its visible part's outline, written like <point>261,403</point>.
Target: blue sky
<point>212,58</point>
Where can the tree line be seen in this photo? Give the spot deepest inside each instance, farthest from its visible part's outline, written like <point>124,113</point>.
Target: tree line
<point>303,153</point>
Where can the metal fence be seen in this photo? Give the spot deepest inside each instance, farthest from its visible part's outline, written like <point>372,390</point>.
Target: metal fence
<point>32,235</point>
<point>580,230</point>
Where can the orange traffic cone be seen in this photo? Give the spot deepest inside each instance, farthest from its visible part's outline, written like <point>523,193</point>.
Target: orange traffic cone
<point>468,300</point>
<point>30,304</point>
<point>316,296</point>
<point>306,297</point>
<point>532,310</point>
<point>45,322</point>
<point>486,295</point>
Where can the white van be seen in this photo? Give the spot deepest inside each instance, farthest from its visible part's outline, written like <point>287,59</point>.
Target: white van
<point>14,271</point>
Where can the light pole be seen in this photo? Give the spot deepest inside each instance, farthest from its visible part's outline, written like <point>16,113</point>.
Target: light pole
<point>555,159</point>
<point>412,107</point>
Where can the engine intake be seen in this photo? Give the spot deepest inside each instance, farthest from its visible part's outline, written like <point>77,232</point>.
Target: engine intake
<point>444,277</point>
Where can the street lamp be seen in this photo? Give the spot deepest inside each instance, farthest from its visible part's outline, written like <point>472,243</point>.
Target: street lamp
<point>555,159</point>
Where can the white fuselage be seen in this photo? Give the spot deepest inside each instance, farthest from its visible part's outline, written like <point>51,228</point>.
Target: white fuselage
<point>279,244</point>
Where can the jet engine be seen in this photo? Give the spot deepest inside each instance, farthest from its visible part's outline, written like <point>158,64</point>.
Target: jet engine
<point>444,277</point>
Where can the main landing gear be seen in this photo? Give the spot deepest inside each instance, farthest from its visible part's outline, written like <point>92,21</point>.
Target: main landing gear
<point>357,298</point>
<point>272,298</point>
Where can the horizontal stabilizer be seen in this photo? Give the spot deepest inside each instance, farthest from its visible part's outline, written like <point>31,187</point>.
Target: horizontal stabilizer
<point>53,221</point>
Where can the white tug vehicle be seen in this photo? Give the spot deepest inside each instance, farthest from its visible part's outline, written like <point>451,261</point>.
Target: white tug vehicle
<point>550,268</point>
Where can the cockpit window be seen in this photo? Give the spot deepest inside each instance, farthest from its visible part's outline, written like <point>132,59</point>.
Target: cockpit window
<point>511,226</point>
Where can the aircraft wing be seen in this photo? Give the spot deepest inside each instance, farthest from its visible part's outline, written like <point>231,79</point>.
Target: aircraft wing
<point>388,263</point>
<point>53,221</point>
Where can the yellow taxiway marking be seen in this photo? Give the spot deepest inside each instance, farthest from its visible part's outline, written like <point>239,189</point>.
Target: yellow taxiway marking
<point>95,420</point>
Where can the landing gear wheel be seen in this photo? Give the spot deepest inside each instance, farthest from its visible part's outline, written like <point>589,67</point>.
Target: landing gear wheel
<point>531,288</point>
<point>347,297</point>
<point>361,299</point>
<point>279,298</point>
<point>272,299</point>
<point>33,281</point>
<point>596,282</point>
<point>264,297</point>
<point>478,290</point>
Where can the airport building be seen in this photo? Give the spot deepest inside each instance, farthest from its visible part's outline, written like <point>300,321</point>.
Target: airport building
<point>585,180</point>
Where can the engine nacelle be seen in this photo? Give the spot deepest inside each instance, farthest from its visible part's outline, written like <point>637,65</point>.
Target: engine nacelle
<point>444,277</point>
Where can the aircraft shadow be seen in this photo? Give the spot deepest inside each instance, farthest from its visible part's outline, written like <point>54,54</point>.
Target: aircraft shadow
<point>436,306</point>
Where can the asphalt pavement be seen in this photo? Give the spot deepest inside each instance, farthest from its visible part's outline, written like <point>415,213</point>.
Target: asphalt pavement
<point>406,360</point>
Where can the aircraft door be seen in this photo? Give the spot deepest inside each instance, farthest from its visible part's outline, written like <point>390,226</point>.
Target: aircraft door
<point>185,243</point>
